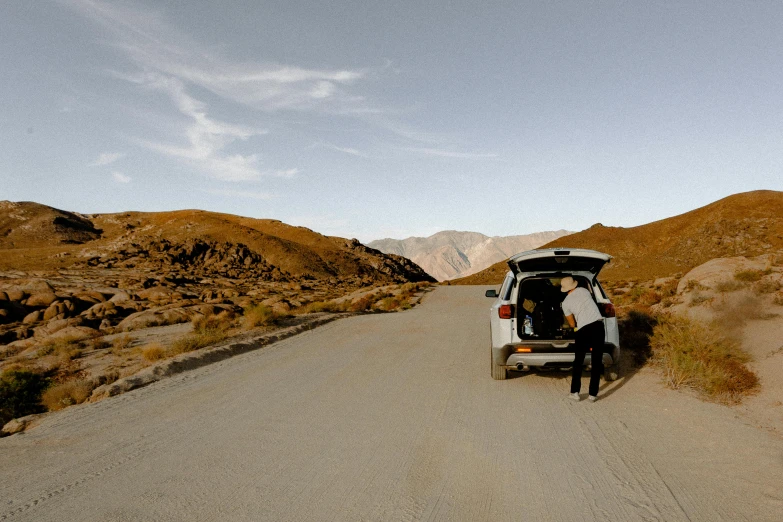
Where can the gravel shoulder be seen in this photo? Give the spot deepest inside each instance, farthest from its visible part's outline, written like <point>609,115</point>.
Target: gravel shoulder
<point>391,417</point>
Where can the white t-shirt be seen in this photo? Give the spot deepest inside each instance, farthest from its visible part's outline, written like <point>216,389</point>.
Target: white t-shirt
<point>580,304</point>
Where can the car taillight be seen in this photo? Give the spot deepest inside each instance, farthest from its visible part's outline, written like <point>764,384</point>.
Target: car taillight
<point>608,310</point>
<point>506,311</point>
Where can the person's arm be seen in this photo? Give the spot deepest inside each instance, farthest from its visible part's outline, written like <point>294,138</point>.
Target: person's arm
<point>571,321</point>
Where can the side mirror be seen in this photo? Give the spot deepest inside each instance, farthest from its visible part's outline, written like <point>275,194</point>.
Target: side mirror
<point>491,293</point>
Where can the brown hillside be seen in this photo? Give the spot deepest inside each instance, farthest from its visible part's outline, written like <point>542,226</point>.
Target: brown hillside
<point>37,237</point>
<point>747,224</point>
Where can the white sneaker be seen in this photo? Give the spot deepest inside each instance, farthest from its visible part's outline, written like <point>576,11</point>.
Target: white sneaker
<point>592,398</point>
<point>574,396</point>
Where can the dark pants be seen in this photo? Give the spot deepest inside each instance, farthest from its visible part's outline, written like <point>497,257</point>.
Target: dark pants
<point>589,336</point>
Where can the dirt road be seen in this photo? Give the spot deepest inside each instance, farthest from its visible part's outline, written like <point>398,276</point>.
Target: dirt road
<point>391,417</point>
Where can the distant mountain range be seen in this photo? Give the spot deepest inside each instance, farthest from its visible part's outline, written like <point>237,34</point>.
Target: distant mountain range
<point>451,254</point>
<point>747,224</point>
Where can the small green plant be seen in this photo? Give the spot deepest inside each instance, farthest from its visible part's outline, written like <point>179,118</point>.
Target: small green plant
<point>696,356</point>
<point>20,393</point>
<point>67,394</point>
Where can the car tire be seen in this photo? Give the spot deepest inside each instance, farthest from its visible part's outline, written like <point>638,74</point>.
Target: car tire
<point>499,373</point>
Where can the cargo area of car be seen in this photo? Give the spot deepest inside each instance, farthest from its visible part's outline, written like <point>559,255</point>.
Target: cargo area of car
<point>539,316</point>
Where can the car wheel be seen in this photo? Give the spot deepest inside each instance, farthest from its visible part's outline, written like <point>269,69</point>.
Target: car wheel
<point>499,373</point>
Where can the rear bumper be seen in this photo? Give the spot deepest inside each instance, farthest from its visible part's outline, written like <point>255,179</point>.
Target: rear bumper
<point>508,356</point>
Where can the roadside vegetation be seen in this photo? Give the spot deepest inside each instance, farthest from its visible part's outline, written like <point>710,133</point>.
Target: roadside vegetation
<point>694,336</point>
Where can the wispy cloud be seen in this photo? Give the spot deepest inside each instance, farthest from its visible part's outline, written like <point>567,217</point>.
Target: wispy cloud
<point>346,150</point>
<point>153,44</point>
<point>119,177</point>
<point>107,158</point>
<point>451,154</point>
<point>245,194</point>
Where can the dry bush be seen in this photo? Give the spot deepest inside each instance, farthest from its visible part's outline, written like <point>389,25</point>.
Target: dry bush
<point>389,303</point>
<point>66,394</point>
<point>260,315</point>
<point>325,306</point>
<point>698,298</point>
<point>207,330</point>
<point>649,297</point>
<point>729,286</point>
<point>733,313</point>
<point>693,284</point>
<point>153,352</point>
<point>766,286</point>
<point>778,299</point>
<point>99,343</point>
<point>750,276</point>
<point>361,305</point>
<point>121,343</point>
<point>696,356</point>
<point>67,348</point>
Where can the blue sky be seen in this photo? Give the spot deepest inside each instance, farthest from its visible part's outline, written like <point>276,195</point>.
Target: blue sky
<point>390,119</point>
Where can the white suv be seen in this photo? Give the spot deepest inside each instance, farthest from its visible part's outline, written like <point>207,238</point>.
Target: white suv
<point>526,322</point>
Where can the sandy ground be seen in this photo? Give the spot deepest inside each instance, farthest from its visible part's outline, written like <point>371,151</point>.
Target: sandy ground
<point>391,417</point>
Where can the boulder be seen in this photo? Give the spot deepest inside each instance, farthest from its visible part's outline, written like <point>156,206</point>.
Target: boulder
<point>54,326</point>
<point>43,299</point>
<point>120,297</point>
<point>154,317</point>
<point>77,333</point>
<point>100,310</point>
<point>20,424</point>
<point>57,309</point>
<point>15,294</point>
<point>90,297</point>
<point>4,296</point>
<point>33,317</point>
<point>157,293</point>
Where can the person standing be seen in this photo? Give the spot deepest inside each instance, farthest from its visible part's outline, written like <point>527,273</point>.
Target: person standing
<point>582,313</point>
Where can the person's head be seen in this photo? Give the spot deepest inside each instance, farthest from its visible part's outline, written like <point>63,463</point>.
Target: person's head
<point>567,284</point>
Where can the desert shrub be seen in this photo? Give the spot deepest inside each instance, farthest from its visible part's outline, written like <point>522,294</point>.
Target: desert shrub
<point>67,348</point>
<point>67,394</point>
<point>207,330</point>
<point>729,285</point>
<point>698,298</point>
<point>649,297</point>
<point>121,343</point>
<point>766,286</point>
<point>389,303</point>
<point>636,328</point>
<point>207,323</point>
<point>693,284</point>
<point>735,312</point>
<point>361,305</point>
<point>260,315</point>
<point>635,293</point>
<point>749,276</point>
<point>696,356</point>
<point>99,343</point>
<point>153,352</point>
<point>324,306</point>
<point>20,393</point>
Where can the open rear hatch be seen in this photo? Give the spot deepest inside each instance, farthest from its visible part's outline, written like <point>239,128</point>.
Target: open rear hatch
<point>559,260</point>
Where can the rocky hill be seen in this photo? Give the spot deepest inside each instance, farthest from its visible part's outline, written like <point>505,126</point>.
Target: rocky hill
<point>747,224</point>
<point>451,254</point>
<point>189,243</point>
